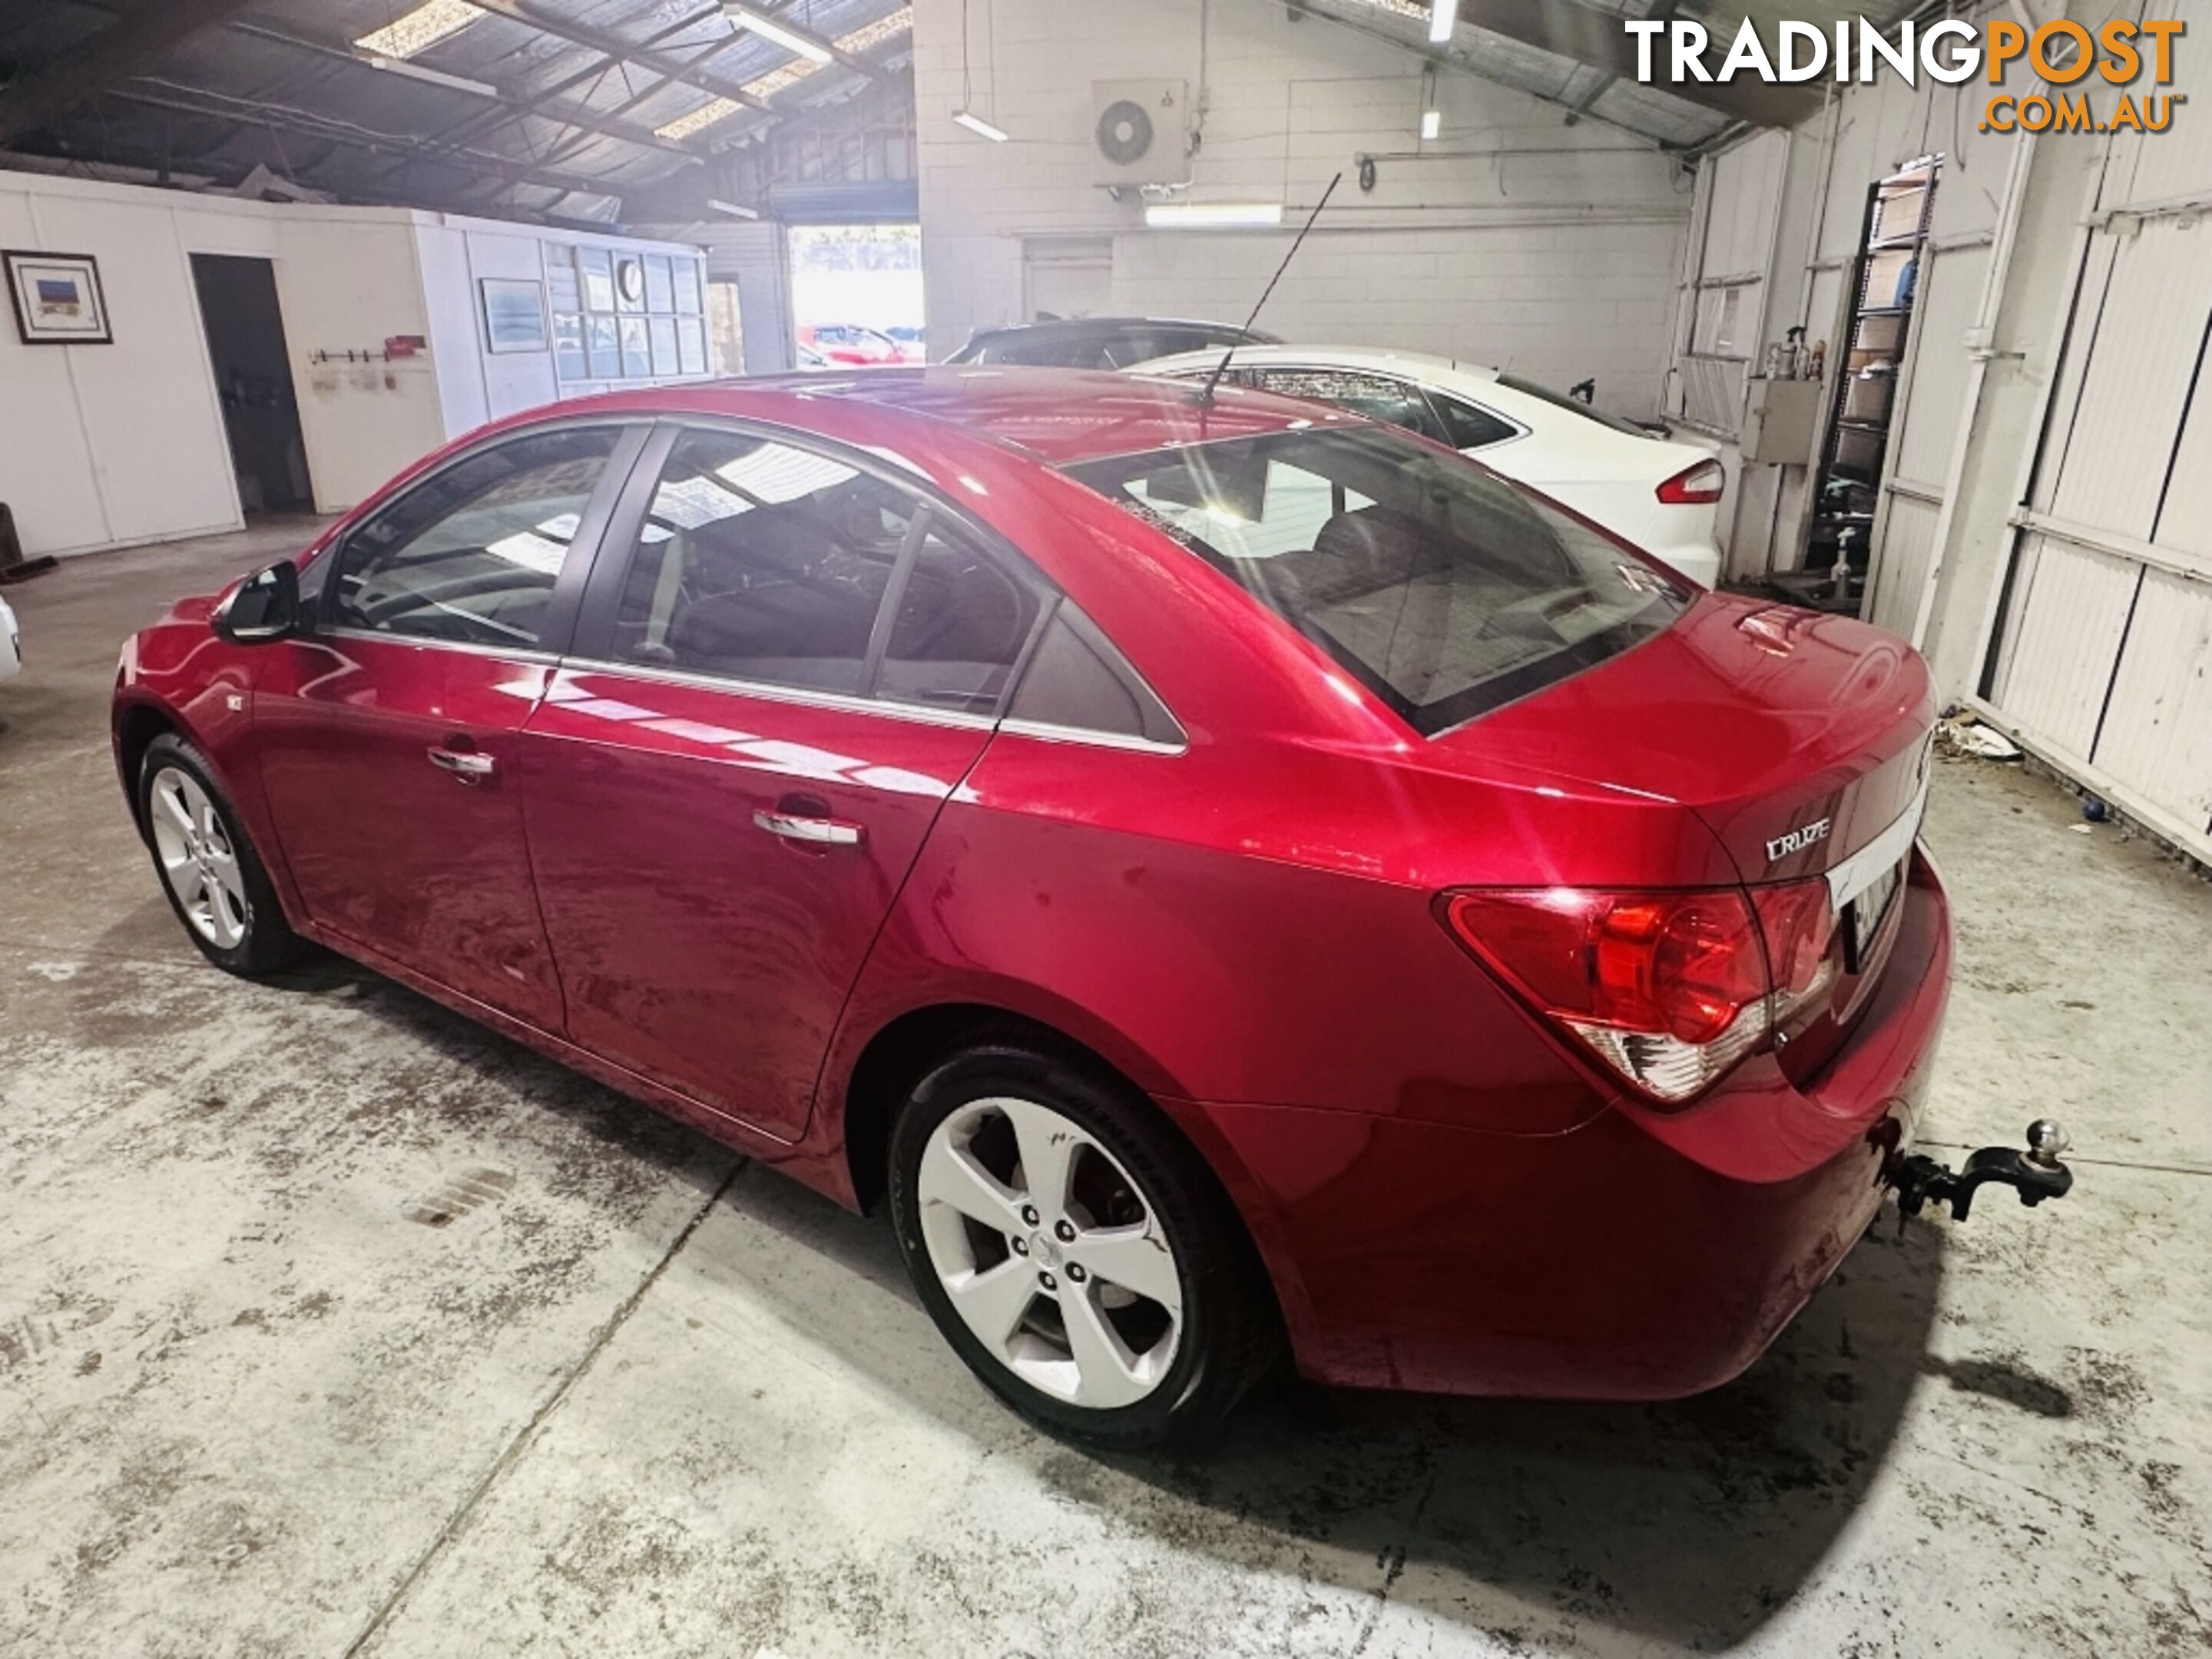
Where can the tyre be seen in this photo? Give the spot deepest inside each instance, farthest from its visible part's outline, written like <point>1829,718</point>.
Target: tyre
<point>216,881</point>
<point>1074,1250</point>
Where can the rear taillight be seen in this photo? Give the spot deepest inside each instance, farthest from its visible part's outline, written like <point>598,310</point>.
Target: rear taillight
<point>1694,486</point>
<point>1668,988</point>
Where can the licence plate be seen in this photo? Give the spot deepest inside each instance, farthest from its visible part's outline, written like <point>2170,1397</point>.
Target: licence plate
<point>1868,910</point>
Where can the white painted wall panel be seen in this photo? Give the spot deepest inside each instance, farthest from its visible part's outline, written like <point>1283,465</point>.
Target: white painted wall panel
<point>1908,543</point>
<point>1745,187</point>
<point>2066,633</point>
<point>2141,359</point>
<point>2157,731</point>
<point>159,452</point>
<point>456,351</point>
<point>2184,522</point>
<point>46,455</point>
<point>2155,166</point>
<point>514,380</point>
<point>1928,426</point>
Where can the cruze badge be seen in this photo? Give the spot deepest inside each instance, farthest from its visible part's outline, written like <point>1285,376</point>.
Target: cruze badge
<point>1797,840</point>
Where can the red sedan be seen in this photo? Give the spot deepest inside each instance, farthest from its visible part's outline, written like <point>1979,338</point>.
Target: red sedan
<point>1225,874</point>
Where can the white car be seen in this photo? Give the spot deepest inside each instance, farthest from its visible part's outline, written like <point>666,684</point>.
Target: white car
<point>11,643</point>
<point>1658,495</point>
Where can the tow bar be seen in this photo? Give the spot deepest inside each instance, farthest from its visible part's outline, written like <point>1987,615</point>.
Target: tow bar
<point>2035,1174</point>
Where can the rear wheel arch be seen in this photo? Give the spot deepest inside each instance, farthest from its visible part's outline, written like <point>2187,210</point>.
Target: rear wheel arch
<point>909,1048</point>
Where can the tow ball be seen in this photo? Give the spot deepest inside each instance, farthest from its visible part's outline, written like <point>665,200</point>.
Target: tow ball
<point>2035,1174</point>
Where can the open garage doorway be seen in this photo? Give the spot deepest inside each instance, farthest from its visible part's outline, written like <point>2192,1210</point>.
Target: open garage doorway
<point>856,295</point>
<point>253,380</point>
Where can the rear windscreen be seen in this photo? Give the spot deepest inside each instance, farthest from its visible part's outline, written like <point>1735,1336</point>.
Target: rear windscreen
<point>1444,589</point>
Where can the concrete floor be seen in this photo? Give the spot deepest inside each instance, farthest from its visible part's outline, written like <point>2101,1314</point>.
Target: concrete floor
<point>331,1324</point>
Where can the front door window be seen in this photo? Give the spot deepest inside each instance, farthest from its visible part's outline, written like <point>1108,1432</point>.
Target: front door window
<point>471,555</point>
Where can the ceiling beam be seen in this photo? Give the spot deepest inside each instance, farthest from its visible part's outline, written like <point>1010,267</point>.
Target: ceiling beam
<point>135,40</point>
<point>532,16</point>
<point>549,106</point>
<point>1362,18</point>
<point>481,124</point>
<point>245,115</point>
<point>1596,38</point>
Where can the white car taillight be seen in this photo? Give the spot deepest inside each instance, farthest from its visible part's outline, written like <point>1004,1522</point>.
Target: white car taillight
<point>1694,486</point>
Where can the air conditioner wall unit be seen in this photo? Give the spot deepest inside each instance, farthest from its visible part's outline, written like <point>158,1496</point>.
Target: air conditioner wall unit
<point>1139,132</point>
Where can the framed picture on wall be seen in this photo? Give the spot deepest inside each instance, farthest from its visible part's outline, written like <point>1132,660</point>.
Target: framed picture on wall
<point>514,314</point>
<point>56,298</point>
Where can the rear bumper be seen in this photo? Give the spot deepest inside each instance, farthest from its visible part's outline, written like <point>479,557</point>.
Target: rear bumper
<point>1641,1256</point>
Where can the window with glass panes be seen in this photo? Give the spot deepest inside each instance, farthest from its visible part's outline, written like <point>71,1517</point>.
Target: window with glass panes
<point>620,315</point>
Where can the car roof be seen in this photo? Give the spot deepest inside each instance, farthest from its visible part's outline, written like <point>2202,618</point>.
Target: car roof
<point>1421,365</point>
<point>1109,324</point>
<point>1060,415</point>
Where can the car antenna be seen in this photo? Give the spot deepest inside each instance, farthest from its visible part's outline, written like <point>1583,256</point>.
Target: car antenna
<point>1205,395</point>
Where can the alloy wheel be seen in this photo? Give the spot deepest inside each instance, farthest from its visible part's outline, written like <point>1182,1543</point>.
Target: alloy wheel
<point>1050,1252</point>
<point>198,859</point>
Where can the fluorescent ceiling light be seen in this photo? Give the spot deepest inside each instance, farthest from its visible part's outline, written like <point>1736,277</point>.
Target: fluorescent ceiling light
<point>1212,216</point>
<point>789,38</point>
<point>977,125</point>
<point>423,27</point>
<point>736,210</point>
<point>424,72</point>
<point>700,118</point>
<point>1432,123</point>
<point>1443,17</point>
<point>866,38</point>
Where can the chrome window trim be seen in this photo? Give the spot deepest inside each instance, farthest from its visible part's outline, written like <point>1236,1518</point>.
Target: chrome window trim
<point>769,691</point>
<point>842,702</point>
<point>525,654</point>
<point>1047,731</point>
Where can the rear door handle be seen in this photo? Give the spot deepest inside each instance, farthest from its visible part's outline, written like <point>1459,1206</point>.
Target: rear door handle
<point>818,832</point>
<point>464,765</point>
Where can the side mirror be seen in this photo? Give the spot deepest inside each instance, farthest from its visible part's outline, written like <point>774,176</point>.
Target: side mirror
<point>262,608</point>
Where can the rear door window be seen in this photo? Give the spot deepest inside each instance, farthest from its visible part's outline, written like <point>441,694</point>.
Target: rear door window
<point>1469,427</point>
<point>962,621</point>
<point>760,561</point>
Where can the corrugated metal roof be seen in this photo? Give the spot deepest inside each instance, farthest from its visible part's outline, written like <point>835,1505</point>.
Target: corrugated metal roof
<point>581,84</point>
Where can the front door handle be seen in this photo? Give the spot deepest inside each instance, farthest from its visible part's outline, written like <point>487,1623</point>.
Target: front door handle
<point>814,831</point>
<point>465,766</point>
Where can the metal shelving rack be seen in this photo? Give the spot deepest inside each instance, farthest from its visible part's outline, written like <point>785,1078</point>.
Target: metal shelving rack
<point>1893,240</point>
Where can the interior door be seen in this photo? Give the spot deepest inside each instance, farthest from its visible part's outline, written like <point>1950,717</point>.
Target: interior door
<point>778,681</point>
<point>387,737</point>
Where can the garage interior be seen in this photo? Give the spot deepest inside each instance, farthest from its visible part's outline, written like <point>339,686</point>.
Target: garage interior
<point>332,1323</point>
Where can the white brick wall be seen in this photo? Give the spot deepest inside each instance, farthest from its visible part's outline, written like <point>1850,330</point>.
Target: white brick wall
<point>1553,250</point>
